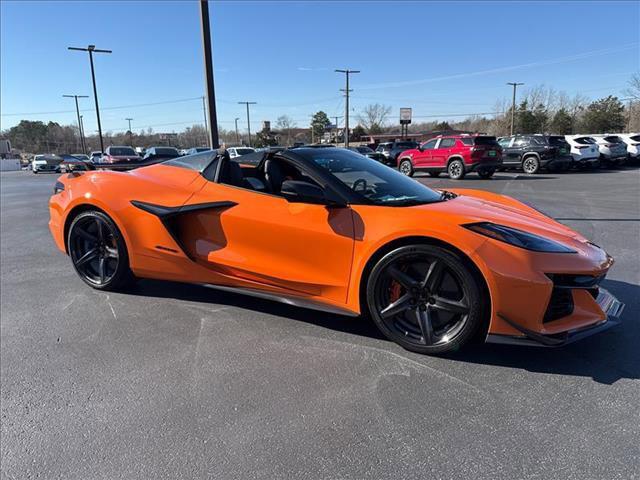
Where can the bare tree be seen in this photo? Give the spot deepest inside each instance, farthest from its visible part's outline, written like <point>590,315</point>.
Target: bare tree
<point>284,123</point>
<point>374,116</point>
<point>633,90</point>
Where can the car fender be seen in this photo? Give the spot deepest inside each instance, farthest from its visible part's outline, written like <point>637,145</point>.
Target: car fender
<point>455,157</point>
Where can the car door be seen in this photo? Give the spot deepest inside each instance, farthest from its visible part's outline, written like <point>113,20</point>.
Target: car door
<point>507,150</point>
<point>422,159</point>
<point>267,243</point>
<point>513,157</point>
<point>442,151</point>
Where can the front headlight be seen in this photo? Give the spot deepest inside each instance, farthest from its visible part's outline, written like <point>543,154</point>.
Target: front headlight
<point>518,238</point>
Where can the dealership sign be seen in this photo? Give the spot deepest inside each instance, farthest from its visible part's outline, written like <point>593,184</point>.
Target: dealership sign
<point>405,116</point>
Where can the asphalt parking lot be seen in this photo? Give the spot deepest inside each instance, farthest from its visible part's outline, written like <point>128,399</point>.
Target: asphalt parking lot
<point>180,381</point>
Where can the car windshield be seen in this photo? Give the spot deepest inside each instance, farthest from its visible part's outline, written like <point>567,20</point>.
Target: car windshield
<point>557,141</point>
<point>376,182</point>
<point>635,138</point>
<point>122,151</point>
<point>585,141</point>
<point>479,140</point>
<point>613,139</point>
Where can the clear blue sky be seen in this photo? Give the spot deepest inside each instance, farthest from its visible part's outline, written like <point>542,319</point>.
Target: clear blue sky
<point>437,57</point>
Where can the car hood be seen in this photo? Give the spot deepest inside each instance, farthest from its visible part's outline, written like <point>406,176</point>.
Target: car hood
<point>471,206</point>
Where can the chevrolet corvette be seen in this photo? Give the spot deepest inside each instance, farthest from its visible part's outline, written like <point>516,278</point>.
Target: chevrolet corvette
<point>332,230</point>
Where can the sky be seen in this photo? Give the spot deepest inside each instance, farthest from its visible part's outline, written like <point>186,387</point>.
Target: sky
<point>443,59</point>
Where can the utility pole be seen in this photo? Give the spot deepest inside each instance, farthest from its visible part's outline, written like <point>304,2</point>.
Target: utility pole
<point>513,103</point>
<point>248,120</point>
<point>237,136</point>
<point>76,97</point>
<point>206,124</point>
<point>92,49</point>
<point>84,143</point>
<point>336,117</point>
<point>346,91</point>
<point>130,132</point>
<point>208,75</point>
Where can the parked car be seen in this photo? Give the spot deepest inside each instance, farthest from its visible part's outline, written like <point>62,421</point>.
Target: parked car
<point>239,151</point>
<point>158,154</point>
<point>194,150</point>
<point>95,157</point>
<point>141,151</point>
<point>584,150</point>
<point>455,154</point>
<point>81,156</point>
<point>46,163</point>
<point>369,152</point>
<point>632,141</point>
<point>120,158</point>
<point>391,150</point>
<point>532,153</point>
<point>613,151</point>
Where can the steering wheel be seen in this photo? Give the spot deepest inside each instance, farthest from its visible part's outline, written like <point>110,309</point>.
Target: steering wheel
<point>359,184</point>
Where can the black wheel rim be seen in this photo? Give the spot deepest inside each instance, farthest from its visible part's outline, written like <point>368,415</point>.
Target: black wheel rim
<point>94,250</point>
<point>422,300</point>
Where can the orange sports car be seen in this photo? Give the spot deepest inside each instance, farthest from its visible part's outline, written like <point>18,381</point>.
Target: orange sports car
<point>330,229</point>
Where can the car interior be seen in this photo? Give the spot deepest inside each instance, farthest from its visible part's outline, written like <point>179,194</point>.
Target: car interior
<point>266,177</point>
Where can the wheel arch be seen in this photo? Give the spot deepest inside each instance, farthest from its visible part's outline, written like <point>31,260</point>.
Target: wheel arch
<point>425,240</point>
<point>83,207</point>
<point>454,157</point>
<point>530,154</point>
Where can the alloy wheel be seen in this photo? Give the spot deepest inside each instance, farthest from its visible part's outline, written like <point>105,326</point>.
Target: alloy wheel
<point>405,167</point>
<point>421,300</point>
<point>530,165</point>
<point>94,250</point>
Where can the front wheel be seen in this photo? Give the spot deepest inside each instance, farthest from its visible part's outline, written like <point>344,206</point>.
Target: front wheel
<point>456,170</point>
<point>98,251</point>
<point>425,299</point>
<point>405,167</point>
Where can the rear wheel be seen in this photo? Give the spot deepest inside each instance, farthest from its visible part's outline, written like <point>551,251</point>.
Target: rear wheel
<point>98,251</point>
<point>456,170</point>
<point>486,173</point>
<point>425,299</point>
<point>405,167</point>
<point>531,165</point>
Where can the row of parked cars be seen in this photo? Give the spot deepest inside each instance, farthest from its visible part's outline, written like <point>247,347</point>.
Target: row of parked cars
<point>460,154</point>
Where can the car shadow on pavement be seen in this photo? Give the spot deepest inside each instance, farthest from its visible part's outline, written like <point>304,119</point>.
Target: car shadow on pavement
<point>606,357</point>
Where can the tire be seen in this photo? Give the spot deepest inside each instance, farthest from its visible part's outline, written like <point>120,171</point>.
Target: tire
<point>455,169</point>
<point>486,174</point>
<point>405,167</point>
<point>434,174</point>
<point>530,165</point>
<point>407,302</point>
<point>98,251</point>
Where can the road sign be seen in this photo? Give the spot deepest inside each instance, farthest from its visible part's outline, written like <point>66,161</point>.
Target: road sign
<point>405,116</point>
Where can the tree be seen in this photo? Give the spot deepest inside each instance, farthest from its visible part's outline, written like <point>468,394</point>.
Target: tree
<point>357,133</point>
<point>319,124</point>
<point>633,90</point>
<point>562,123</point>
<point>442,127</point>
<point>604,115</point>
<point>285,123</point>
<point>373,117</point>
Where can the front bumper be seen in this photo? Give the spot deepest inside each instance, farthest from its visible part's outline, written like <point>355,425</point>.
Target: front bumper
<point>609,304</point>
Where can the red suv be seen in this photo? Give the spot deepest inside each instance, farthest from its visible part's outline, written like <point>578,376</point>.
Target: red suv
<point>455,154</point>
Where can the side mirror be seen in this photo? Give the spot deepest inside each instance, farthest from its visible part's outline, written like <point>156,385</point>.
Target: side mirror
<point>420,148</point>
<point>296,191</point>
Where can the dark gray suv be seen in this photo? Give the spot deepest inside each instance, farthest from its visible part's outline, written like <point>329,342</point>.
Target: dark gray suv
<point>532,153</point>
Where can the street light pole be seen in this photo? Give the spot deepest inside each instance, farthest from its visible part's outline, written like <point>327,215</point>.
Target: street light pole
<point>248,120</point>
<point>346,91</point>
<point>214,141</point>
<point>84,143</point>
<point>513,103</point>
<point>237,136</point>
<point>91,49</point>
<point>130,132</point>
<point>76,97</point>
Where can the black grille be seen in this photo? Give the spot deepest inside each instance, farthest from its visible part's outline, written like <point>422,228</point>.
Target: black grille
<point>560,304</point>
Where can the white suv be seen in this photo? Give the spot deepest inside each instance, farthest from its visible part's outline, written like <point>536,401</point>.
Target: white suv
<point>612,149</point>
<point>632,140</point>
<point>584,150</point>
